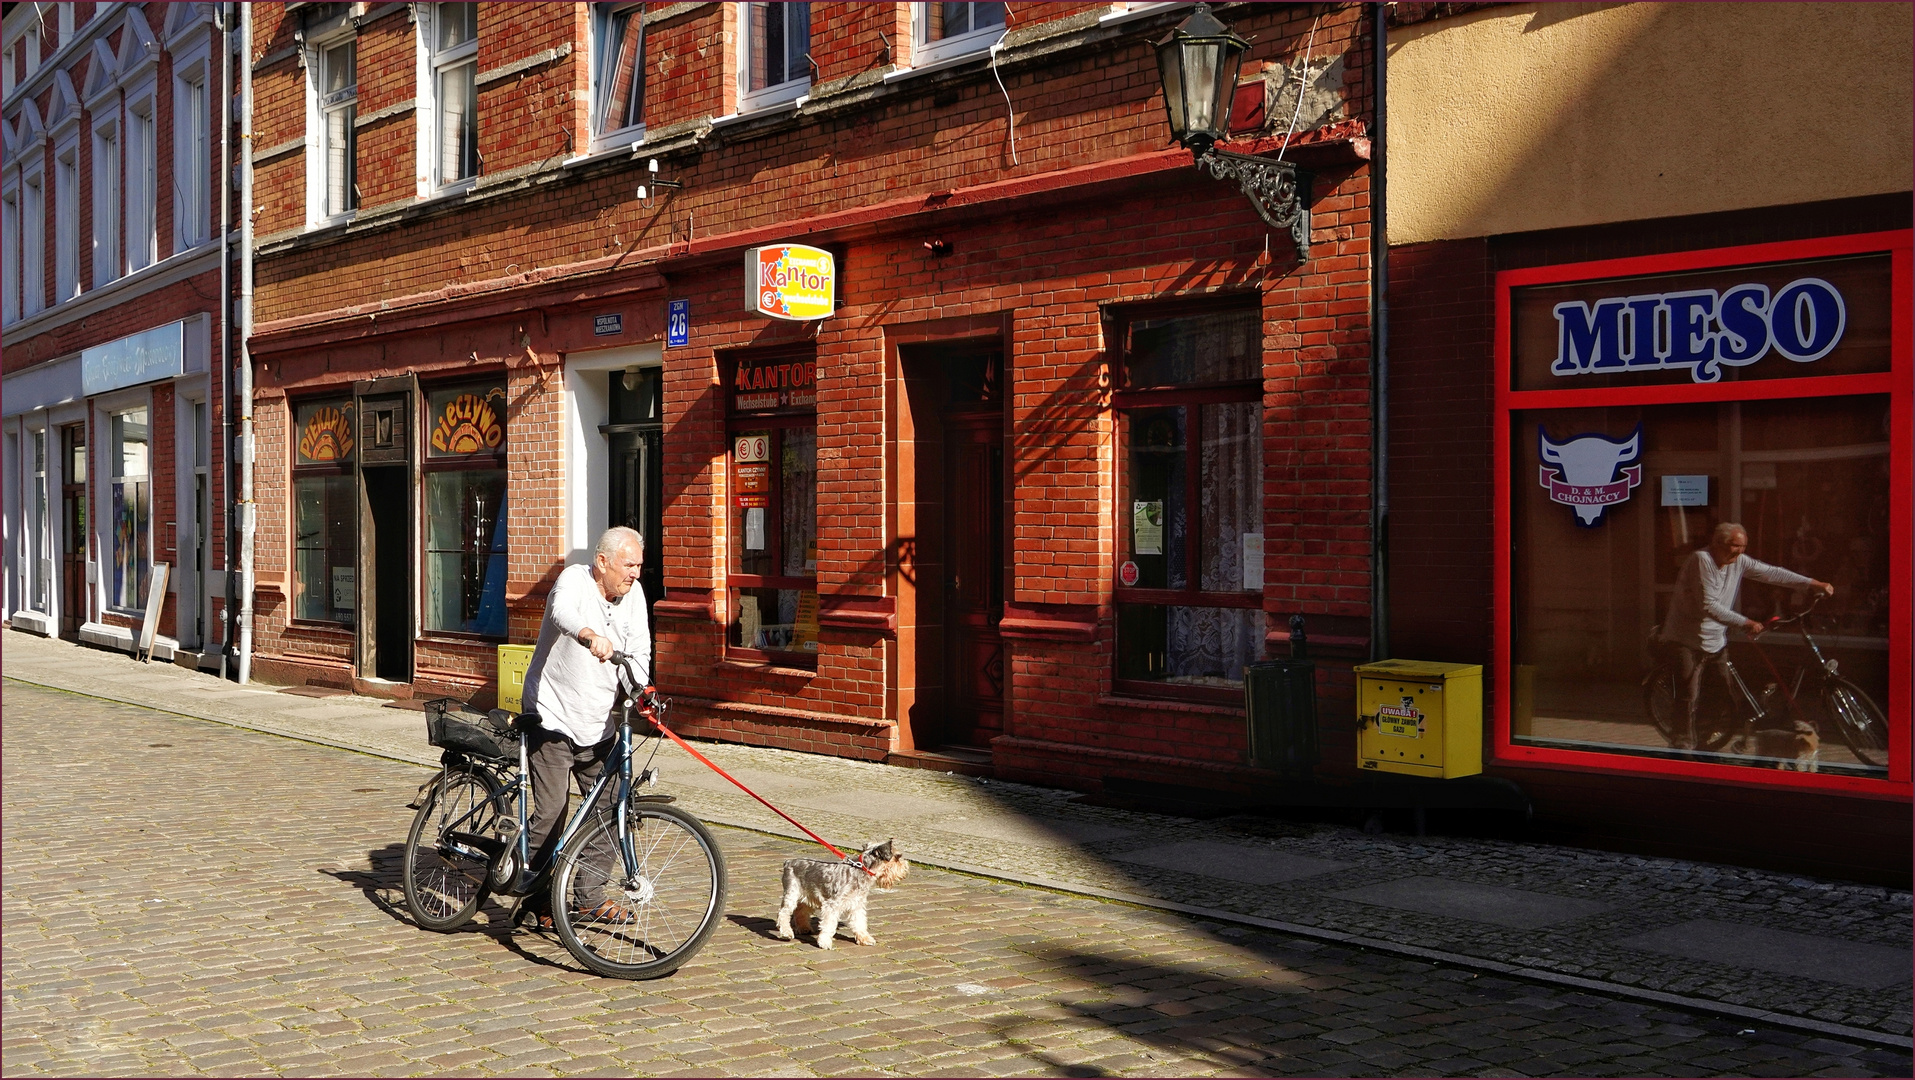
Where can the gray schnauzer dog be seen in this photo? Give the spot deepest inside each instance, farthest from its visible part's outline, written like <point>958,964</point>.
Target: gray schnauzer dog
<point>823,892</point>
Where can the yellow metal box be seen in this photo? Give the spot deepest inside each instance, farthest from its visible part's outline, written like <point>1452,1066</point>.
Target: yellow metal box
<point>513,660</point>
<point>1420,718</point>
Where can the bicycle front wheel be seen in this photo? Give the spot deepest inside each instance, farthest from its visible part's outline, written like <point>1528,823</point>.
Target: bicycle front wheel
<point>639,925</point>
<point>445,873</point>
<point>1861,723</point>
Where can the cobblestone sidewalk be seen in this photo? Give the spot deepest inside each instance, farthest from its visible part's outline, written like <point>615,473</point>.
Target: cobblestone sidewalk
<point>1764,947</point>
<point>186,898</point>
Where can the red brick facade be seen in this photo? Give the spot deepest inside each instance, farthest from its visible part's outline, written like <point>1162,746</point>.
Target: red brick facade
<point>1044,236</point>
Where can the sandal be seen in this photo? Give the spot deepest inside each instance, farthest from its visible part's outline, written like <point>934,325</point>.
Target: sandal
<point>607,911</point>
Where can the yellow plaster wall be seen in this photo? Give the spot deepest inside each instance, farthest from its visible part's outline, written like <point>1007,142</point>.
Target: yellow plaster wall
<point>1540,116</point>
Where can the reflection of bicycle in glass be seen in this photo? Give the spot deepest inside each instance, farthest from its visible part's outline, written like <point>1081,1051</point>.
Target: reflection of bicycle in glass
<point>636,885</point>
<point>1779,706</point>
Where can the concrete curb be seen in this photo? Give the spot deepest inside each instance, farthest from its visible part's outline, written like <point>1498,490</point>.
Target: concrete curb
<point>1336,937</point>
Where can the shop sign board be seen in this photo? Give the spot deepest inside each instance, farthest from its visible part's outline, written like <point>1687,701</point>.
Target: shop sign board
<point>1811,317</point>
<point>793,282</point>
<point>782,383</point>
<point>148,356</point>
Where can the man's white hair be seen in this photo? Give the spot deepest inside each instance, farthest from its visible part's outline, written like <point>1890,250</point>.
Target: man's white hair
<point>617,537</point>
<point>1726,530</point>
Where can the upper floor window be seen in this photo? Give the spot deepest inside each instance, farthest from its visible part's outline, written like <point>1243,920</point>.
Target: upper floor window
<point>142,185</point>
<point>106,200</point>
<point>453,42</point>
<point>948,30</point>
<point>618,68</point>
<point>192,157</point>
<point>776,58</point>
<point>10,236</point>
<point>33,216</point>
<point>336,80</point>
<point>66,222</point>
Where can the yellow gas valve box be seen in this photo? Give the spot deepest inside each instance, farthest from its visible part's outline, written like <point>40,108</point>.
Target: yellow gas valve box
<point>1420,717</point>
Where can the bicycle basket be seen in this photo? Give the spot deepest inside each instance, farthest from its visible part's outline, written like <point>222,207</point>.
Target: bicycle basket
<point>450,726</point>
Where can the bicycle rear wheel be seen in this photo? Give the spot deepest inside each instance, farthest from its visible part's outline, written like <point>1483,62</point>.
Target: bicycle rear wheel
<point>1861,723</point>
<point>645,925</point>
<point>445,873</point>
<point>1659,701</point>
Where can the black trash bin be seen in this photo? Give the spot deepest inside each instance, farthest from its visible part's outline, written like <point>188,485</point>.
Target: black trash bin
<point>1280,707</point>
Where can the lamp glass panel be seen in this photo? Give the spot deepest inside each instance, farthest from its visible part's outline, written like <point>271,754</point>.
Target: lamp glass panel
<point>1201,62</point>
<point>1170,64</point>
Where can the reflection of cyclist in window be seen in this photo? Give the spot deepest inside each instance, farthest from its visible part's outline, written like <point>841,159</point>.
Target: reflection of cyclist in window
<point>1695,632</point>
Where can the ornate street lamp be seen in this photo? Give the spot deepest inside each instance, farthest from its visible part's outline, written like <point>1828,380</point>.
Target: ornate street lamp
<point>1198,63</point>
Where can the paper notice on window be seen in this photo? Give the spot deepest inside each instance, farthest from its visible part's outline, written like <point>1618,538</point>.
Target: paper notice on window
<point>755,529</point>
<point>1147,528</point>
<point>1252,560</point>
<point>342,587</point>
<point>804,630</point>
<point>748,622</point>
<point>1685,490</point>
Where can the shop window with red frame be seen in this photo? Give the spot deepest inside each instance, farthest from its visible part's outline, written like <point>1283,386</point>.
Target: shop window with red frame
<point>772,444</point>
<point>1650,401</point>
<point>464,496</point>
<point>1190,474</point>
<point>325,512</point>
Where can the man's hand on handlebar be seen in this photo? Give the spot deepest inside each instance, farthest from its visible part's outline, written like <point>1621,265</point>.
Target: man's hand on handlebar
<point>599,646</point>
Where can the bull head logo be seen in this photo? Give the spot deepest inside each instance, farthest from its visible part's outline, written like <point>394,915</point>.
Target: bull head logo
<point>1590,472</point>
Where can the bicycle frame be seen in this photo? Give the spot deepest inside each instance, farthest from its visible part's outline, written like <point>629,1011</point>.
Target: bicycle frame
<point>622,752</point>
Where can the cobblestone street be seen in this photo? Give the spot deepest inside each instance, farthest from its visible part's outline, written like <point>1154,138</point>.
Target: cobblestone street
<point>183,897</point>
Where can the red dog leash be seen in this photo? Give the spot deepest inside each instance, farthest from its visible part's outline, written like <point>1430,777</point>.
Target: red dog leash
<point>652,715</point>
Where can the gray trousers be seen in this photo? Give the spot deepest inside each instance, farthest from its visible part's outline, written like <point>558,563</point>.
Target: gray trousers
<point>1688,669</point>
<point>557,764</point>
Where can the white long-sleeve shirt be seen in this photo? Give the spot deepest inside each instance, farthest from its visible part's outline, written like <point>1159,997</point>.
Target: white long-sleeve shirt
<point>1703,608</point>
<point>572,691</point>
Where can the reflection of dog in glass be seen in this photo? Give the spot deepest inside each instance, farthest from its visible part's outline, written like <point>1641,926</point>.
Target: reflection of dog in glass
<point>1795,746</point>
<point>821,892</point>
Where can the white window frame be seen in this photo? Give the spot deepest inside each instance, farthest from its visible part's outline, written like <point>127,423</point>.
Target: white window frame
<point>925,51</point>
<point>320,108</point>
<point>66,219</point>
<point>33,238</point>
<point>635,23</point>
<point>10,236</point>
<point>107,161</point>
<point>432,63</point>
<point>192,149</point>
<point>750,100</point>
<point>141,152</point>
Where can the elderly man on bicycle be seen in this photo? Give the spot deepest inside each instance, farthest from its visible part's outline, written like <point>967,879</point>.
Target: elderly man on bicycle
<point>1695,632</point>
<point>594,611</point>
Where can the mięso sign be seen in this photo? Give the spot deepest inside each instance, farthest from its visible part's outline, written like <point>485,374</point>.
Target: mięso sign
<point>1701,330</point>
<point>1805,318</point>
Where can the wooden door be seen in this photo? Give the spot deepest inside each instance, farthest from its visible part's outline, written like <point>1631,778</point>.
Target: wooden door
<point>974,576</point>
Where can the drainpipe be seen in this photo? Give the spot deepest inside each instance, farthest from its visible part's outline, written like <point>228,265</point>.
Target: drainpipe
<point>1379,345</point>
<point>248,518</point>
<point>226,14</point>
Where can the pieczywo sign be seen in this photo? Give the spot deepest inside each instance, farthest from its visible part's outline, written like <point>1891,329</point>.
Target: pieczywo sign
<point>790,281</point>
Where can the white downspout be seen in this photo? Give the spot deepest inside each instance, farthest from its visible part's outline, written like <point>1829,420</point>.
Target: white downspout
<point>226,350</point>
<point>248,518</point>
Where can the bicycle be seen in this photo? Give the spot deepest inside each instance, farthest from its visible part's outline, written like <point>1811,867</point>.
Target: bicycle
<point>637,885</point>
<point>1857,719</point>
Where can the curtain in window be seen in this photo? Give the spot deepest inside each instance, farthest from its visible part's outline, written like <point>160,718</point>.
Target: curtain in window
<point>458,123</point>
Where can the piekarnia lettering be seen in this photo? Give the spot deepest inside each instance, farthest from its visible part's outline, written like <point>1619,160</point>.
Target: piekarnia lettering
<point>1700,330</point>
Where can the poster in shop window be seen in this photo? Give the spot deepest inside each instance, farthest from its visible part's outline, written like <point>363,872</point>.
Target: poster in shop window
<point>1147,528</point>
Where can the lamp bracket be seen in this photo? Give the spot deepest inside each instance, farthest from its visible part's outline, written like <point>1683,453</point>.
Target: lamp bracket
<point>1278,190</point>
